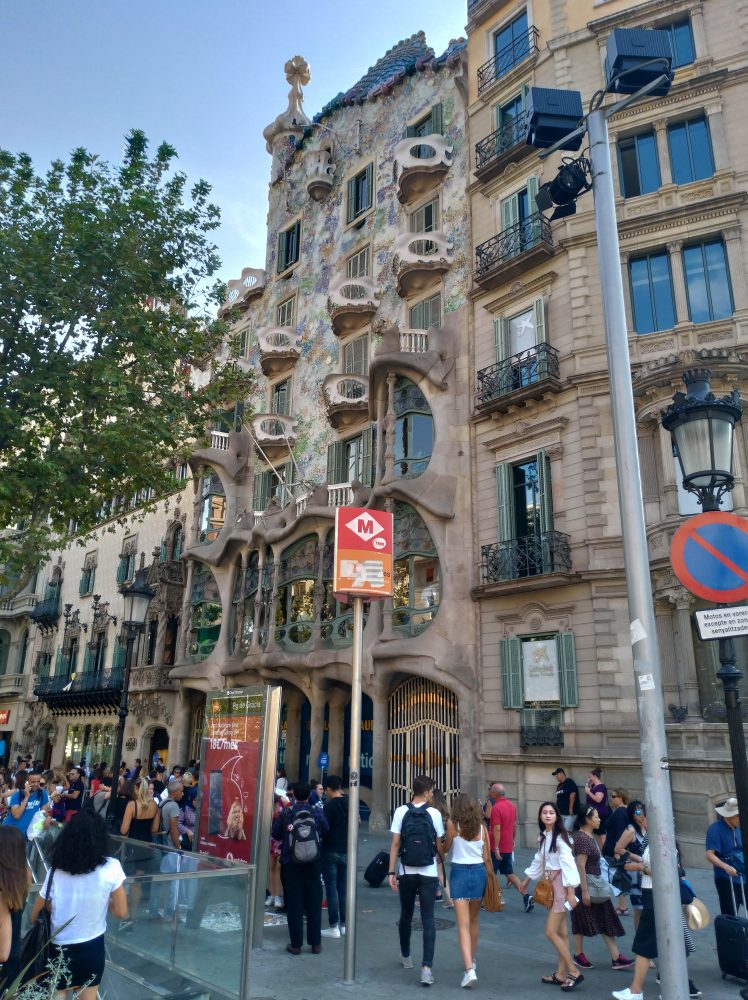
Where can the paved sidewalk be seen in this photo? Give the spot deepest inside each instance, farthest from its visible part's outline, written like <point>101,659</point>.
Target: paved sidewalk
<point>513,952</point>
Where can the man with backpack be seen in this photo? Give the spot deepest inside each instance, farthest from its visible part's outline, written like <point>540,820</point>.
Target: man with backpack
<point>301,829</point>
<point>417,835</point>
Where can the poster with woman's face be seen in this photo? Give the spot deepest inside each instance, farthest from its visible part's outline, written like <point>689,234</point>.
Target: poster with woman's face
<point>228,773</point>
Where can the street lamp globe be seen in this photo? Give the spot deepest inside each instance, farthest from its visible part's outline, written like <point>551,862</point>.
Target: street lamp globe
<point>137,596</point>
<point>702,426</point>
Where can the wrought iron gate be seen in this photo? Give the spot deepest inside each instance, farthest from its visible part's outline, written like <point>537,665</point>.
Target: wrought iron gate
<point>424,737</point>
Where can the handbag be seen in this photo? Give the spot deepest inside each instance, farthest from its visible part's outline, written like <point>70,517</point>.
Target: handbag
<point>34,953</point>
<point>599,889</point>
<point>493,901</point>
<point>543,894</point>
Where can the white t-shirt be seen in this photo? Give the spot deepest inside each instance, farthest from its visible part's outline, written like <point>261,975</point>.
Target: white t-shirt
<point>85,899</point>
<point>397,825</point>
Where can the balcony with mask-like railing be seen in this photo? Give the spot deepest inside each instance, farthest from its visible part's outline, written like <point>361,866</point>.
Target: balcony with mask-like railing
<point>275,433</point>
<point>504,146</point>
<point>527,375</point>
<point>534,555</point>
<point>280,349</point>
<point>346,399</point>
<point>507,61</point>
<point>351,303</point>
<point>513,251</point>
<point>421,163</point>
<point>241,291</point>
<point>420,260</point>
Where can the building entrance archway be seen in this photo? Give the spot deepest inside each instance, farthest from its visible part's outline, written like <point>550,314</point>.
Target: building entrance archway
<point>158,747</point>
<point>424,738</point>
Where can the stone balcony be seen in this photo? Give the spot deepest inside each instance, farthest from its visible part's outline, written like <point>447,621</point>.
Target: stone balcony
<point>275,433</point>
<point>421,163</point>
<point>352,302</point>
<point>16,607</point>
<point>346,398</point>
<point>280,348</point>
<point>11,685</point>
<point>320,171</point>
<point>241,291</point>
<point>420,261</point>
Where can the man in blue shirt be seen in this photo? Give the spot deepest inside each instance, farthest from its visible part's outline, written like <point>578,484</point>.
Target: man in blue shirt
<point>724,851</point>
<point>26,801</point>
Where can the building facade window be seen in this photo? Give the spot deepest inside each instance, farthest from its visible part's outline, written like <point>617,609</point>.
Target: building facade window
<point>681,42</point>
<point>524,504</point>
<point>539,670</point>
<point>426,218</point>
<point>691,156</point>
<point>358,264</point>
<point>126,567</point>
<point>430,124</point>
<point>426,314</point>
<point>280,398</point>
<point>352,460</point>
<point>244,342</point>
<point>88,578</point>
<point>289,247</point>
<point>414,430</point>
<point>360,193</point>
<point>417,577</point>
<point>511,44</point>
<point>356,356</point>
<point>652,293</point>
<point>213,508</point>
<point>519,214</point>
<point>285,314</point>
<point>707,282</point>
<point>272,483</point>
<point>638,166</point>
<point>4,650</point>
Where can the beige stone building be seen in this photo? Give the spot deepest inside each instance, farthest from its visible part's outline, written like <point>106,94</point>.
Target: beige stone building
<point>555,656</point>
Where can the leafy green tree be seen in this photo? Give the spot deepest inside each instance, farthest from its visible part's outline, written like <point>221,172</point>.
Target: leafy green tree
<point>111,361</point>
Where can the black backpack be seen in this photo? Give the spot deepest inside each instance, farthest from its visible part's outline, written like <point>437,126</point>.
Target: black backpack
<point>303,838</point>
<point>417,838</point>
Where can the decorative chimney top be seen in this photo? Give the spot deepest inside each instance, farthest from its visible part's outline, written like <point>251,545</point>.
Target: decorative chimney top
<point>293,121</point>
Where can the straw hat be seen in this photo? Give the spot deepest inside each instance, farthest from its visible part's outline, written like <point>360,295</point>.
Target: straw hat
<point>697,915</point>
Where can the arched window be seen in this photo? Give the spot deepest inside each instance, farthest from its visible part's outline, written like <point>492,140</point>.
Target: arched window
<point>297,574</point>
<point>4,649</point>
<point>417,583</point>
<point>212,506</point>
<point>207,613</point>
<point>177,539</point>
<point>414,430</point>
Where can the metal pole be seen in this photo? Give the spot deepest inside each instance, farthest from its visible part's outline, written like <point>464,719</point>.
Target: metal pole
<point>253,931</point>
<point>123,713</point>
<point>730,676</point>
<point>349,966</point>
<point>648,685</point>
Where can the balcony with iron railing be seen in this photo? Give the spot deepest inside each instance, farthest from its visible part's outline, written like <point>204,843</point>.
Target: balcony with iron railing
<point>81,691</point>
<point>526,375</point>
<point>507,59</point>
<point>46,613</point>
<point>540,727</point>
<point>521,558</point>
<point>513,250</point>
<point>504,146</point>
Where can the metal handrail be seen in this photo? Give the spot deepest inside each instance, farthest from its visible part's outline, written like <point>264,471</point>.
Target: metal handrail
<point>511,134</point>
<point>90,680</point>
<point>516,239</point>
<point>507,58</point>
<point>520,370</point>
<point>533,555</point>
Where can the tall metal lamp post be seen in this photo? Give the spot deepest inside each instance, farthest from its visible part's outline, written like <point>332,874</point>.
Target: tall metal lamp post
<point>702,426</point>
<point>137,597</point>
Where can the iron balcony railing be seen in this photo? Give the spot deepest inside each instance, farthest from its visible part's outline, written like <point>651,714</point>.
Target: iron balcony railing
<point>507,58</point>
<point>541,727</point>
<point>531,232</point>
<point>83,682</point>
<point>518,558</point>
<point>511,134</point>
<point>517,372</point>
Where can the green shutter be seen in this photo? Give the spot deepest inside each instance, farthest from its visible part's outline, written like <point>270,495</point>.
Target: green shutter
<point>532,190</point>
<point>510,651</point>
<point>509,212</point>
<point>417,319</point>
<point>351,207</point>
<point>538,308</point>
<point>281,252</point>
<point>501,340</point>
<point>546,492</point>
<point>335,463</point>
<point>567,669</point>
<point>367,457</point>
<point>410,132</point>
<point>524,91</point>
<point>261,491</point>
<point>83,586</point>
<point>437,119</point>
<point>369,188</point>
<point>504,505</point>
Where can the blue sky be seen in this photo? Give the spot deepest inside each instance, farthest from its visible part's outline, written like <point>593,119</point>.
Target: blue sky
<point>205,75</point>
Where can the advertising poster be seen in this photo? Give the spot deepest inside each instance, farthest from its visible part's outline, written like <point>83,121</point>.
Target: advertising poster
<point>229,771</point>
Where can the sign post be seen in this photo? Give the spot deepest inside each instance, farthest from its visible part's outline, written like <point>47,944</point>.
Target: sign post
<point>363,571</point>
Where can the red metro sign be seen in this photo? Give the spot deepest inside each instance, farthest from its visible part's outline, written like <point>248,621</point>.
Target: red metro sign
<point>363,552</point>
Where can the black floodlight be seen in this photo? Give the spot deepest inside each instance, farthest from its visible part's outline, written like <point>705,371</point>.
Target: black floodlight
<point>572,179</point>
<point>635,57</point>
<point>550,115</point>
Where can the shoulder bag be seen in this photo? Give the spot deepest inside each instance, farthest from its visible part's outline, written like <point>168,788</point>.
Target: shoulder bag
<point>543,894</point>
<point>493,901</point>
<point>34,954</point>
<point>599,889</point>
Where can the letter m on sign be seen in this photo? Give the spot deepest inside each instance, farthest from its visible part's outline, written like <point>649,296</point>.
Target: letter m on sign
<point>365,527</point>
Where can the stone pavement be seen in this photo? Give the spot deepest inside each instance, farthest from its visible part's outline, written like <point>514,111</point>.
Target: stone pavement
<point>513,952</point>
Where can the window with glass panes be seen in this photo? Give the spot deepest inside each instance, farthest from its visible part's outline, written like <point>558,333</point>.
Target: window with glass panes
<point>430,124</point>
<point>690,150</point>
<point>707,282</point>
<point>351,460</point>
<point>414,430</point>
<point>638,167</point>
<point>510,123</point>
<point>360,193</point>
<point>284,314</point>
<point>427,314</point>
<point>357,266</point>
<point>511,44</point>
<point>244,340</point>
<point>426,218</point>
<point>289,246</point>
<point>652,293</point>
<point>681,41</point>
<point>280,398</point>
<point>356,356</point>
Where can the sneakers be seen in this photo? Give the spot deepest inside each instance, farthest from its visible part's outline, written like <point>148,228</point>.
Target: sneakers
<point>622,962</point>
<point>342,929</point>
<point>427,976</point>
<point>693,989</point>
<point>582,961</point>
<point>406,961</point>
<point>627,995</point>
<point>528,901</point>
<point>332,932</point>
<point>278,902</point>
<point>468,979</point>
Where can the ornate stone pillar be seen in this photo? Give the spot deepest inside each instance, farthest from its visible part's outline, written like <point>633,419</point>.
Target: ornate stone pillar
<point>336,733</point>
<point>688,684</point>
<point>259,603</point>
<point>627,291</point>
<point>717,134</point>
<point>273,614</point>
<point>187,610</point>
<point>734,251</point>
<point>319,588</point>
<point>666,471</point>
<point>380,774</point>
<point>663,153</point>
<point>675,249</point>
<point>699,34</point>
<point>179,742</point>
<point>293,701</point>
<point>666,645</point>
<point>389,430</point>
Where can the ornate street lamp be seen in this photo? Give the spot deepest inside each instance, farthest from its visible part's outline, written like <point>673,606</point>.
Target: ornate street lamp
<point>702,426</point>
<point>137,597</point>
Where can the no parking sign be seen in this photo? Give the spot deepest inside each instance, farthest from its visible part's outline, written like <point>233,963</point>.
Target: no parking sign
<point>709,555</point>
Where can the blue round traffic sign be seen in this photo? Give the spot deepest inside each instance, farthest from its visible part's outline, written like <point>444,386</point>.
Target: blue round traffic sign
<point>709,556</point>
<point>323,761</point>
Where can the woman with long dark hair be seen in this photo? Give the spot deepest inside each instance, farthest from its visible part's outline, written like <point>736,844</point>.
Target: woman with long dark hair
<point>14,886</point>
<point>554,857</point>
<point>632,844</point>
<point>83,884</point>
